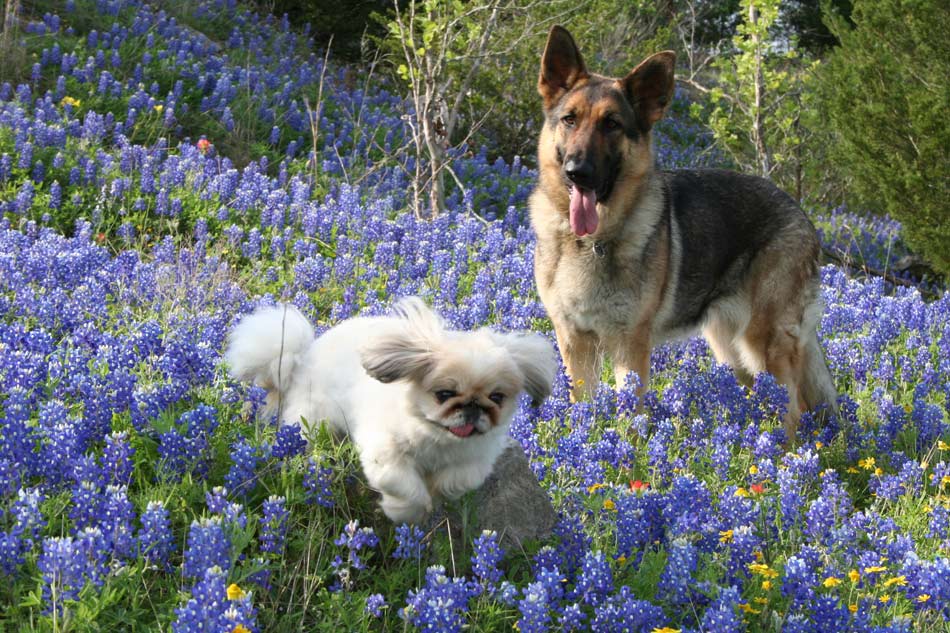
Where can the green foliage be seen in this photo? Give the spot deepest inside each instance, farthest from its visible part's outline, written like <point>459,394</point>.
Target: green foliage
<point>341,24</point>
<point>613,35</point>
<point>884,96</point>
<point>762,96</point>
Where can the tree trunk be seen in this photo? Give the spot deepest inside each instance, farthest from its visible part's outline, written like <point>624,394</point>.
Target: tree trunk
<point>758,139</point>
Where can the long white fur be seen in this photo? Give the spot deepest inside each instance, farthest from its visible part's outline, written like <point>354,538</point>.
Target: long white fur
<point>409,459</point>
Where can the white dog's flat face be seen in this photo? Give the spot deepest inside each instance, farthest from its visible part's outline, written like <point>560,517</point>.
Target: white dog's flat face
<point>471,388</point>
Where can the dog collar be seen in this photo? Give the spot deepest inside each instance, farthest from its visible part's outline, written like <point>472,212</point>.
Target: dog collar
<point>597,247</point>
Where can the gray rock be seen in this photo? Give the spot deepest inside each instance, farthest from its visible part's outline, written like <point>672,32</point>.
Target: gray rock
<point>512,502</point>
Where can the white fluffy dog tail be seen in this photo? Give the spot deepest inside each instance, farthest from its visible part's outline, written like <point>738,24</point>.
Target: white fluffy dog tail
<point>264,346</point>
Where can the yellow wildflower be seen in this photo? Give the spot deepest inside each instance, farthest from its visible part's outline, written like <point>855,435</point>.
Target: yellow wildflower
<point>745,606</point>
<point>851,470</point>
<point>753,469</point>
<point>944,447</point>
<point>874,569</point>
<point>900,581</point>
<point>665,629</point>
<point>866,464</point>
<point>592,489</point>
<point>741,492</point>
<point>762,570</point>
<point>819,445</point>
<point>854,575</point>
<point>878,471</point>
<point>70,101</point>
<point>609,504</point>
<point>725,536</point>
<point>885,598</point>
<point>924,597</point>
<point>853,608</point>
<point>831,581</point>
<point>761,600</point>
<point>235,592</point>
<point>240,628</point>
<point>766,584</point>
<point>158,107</point>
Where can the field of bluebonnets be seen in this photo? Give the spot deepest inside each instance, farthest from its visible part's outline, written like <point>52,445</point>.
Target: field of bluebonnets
<point>156,182</point>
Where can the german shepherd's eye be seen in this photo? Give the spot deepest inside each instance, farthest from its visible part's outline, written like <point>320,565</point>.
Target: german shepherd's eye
<point>497,397</point>
<point>611,124</point>
<point>444,394</point>
<point>569,120</point>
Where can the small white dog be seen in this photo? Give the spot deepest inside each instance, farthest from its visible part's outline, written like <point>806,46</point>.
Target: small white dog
<point>428,408</point>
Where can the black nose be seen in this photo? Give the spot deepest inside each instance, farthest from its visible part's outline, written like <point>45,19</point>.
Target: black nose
<point>580,172</point>
<point>472,413</point>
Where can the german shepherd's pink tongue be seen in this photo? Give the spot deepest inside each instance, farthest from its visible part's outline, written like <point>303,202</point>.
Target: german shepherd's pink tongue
<point>583,211</point>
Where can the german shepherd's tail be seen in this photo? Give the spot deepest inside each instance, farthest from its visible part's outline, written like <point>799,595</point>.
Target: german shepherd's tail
<point>264,347</point>
<point>817,387</point>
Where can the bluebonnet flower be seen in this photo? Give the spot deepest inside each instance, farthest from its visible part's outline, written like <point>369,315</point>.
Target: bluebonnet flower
<point>722,615</point>
<point>241,477</point>
<point>534,608</point>
<point>409,542</point>
<point>63,565</point>
<point>594,579</point>
<point>117,459</point>
<point>274,525</point>
<point>69,563</point>
<point>639,521</point>
<point>213,606</point>
<point>208,546</point>
<point>677,578</point>
<point>891,487</point>
<point>623,612</point>
<point>441,604</point>
<point>116,515</point>
<point>216,500</point>
<point>355,538</point>
<point>572,618</point>
<point>155,538</point>
<point>801,575</point>
<point>316,483</point>
<point>833,501</point>
<point>487,554</point>
<point>289,442</point>
<point>375,604</point>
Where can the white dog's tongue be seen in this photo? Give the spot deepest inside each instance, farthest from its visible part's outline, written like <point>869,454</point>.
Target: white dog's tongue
<point>583,211</point>
<point>464,430</point>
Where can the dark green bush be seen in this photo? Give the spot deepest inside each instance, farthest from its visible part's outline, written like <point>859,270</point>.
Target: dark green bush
<point>885,95</point>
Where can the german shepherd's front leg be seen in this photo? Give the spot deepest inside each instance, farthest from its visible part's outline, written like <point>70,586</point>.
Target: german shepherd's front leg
<point>582,359</point>
<point>633,354</point>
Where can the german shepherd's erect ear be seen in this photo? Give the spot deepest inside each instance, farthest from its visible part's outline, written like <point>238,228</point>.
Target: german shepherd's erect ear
<point>561,66</point>
<point>649,87</point>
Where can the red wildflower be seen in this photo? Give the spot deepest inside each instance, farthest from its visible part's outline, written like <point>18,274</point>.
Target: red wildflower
<point>638,486</point>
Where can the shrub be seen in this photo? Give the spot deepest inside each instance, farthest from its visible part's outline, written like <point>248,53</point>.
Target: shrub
<point>885,94</point>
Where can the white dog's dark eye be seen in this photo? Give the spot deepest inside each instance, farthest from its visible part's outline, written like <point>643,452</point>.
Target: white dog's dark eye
<point>497,397</point>
<point>444,394</point>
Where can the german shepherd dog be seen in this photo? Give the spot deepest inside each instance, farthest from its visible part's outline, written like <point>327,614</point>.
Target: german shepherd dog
<point>628,256</point>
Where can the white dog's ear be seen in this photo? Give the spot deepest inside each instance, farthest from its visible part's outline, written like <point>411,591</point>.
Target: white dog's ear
<point>536,359</point>
<point>409,352</point>
<point>395,357</point>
